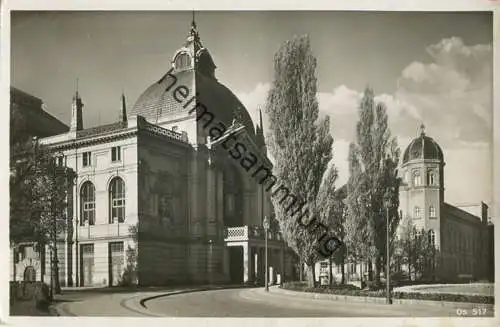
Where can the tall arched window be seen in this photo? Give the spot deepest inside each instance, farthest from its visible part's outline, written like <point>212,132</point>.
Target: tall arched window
<point>416,177</point>
<point>183,60</point>
<point>431,177</point>
<point>116,201</point>
<point>87,200</point>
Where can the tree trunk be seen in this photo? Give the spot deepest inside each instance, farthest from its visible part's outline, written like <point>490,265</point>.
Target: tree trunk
<point>55,274</point>
<point>330,274</point>
<point>378,266</point>
<point>370,270</point>
<point>301,271</point>
<point>311,276</point>
<point>342,270</point>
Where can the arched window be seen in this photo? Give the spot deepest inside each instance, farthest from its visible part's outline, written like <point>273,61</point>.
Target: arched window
<point>116,201</point>
<point>432,212</point>
<point>416,212</point>
<point>431,177</point>
<point>416,177</point>
<point>183,60</point>
<point>87,200</point>
<point>29,274</point>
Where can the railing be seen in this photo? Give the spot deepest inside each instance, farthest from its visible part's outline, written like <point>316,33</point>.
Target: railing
<point>142,123</point>
<point>102,231</point>
<point>244,233</point>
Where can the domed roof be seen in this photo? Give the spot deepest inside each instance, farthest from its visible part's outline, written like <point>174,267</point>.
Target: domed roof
<point>196,73</point>
<point>423,147</point>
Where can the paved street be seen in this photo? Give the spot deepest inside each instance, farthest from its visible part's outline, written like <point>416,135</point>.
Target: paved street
<point>241,303</point>
<point>256,303</point>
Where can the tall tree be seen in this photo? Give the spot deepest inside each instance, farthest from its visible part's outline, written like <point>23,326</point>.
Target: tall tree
<point>416,250</point>
<point>331,213</point>
<point>39,191</point>
<point>299,142</point>
<point>373,160</point>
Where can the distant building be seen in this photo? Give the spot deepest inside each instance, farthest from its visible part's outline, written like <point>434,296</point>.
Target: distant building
<point>196,212</point>
<point>462,234</point>
<point>27,261</point>
<point>34,120</point>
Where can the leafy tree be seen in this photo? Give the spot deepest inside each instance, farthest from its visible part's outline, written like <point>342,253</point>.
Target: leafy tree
<point>415,250</point>
<point>331,213</point>
<point>299,142</point>
<point>39,191</point>
<point>373,159</point>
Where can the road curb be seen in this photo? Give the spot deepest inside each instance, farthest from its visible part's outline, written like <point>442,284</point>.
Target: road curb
<point>144,300</point>
<point>368,299</point>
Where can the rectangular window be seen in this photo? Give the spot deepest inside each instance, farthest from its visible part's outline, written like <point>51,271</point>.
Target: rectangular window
<point>416,212</point>
<point>116,154</point>
<point>432,212</point>
<point>86,159</point>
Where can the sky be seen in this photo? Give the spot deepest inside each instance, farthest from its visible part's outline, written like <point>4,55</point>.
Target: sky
<point>431,68</point>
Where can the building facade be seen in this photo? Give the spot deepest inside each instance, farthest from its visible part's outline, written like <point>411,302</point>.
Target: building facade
<point>153,189</point>
<point>462,235</point>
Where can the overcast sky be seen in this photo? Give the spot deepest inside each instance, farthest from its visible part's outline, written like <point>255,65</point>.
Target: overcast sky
<point>434,68</point>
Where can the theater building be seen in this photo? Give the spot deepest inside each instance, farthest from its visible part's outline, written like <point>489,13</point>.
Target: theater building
<point>152,190</point>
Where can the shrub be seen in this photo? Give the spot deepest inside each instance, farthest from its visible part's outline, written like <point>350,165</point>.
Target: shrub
<point>37,292</point>
<point>351,290</point>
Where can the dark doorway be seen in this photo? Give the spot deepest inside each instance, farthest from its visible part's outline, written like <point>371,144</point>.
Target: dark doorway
<point>29,274</point>
<point>236,264</point>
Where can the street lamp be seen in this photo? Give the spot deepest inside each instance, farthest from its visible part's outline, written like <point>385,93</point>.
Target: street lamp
<point>387,203</point>
<point>266,228</point>
<point>210,266</point>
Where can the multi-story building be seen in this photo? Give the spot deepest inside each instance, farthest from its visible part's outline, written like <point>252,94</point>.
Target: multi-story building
<point>462,235</point>
<point>153,187</point>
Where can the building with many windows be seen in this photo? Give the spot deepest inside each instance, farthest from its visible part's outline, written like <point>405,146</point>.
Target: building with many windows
<point>152,189</point>
<point>463,235</point>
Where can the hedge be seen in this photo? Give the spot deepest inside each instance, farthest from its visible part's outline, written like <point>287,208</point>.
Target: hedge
<point>351,290</point>
<point>37,292</point>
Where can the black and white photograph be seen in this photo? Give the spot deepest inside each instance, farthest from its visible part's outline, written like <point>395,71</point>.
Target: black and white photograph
<point>263,163</point>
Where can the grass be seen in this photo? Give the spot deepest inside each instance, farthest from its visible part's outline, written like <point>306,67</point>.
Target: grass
<point>350,290</point>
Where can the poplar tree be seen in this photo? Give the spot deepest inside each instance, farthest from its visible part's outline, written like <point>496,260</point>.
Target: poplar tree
<point>373,161</point>
<point>299,142</point>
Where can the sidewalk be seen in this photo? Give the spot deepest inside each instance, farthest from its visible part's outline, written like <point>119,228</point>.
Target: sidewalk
<point>483,289</point>
<point>366,299</point>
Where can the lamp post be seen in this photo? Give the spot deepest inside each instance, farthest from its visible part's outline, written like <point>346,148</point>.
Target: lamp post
<point>387,203</point>
<point>210,266</point>
<point>266,228</point>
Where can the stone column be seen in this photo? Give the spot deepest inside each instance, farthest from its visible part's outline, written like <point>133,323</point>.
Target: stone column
<point>211,201</point>
<point>247,263</point>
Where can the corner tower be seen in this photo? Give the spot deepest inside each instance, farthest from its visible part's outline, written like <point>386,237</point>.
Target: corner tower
<point>421,195</point>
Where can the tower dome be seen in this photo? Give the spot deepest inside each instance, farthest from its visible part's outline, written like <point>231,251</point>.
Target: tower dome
<point>421,148</point>
<point>192,69</point>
